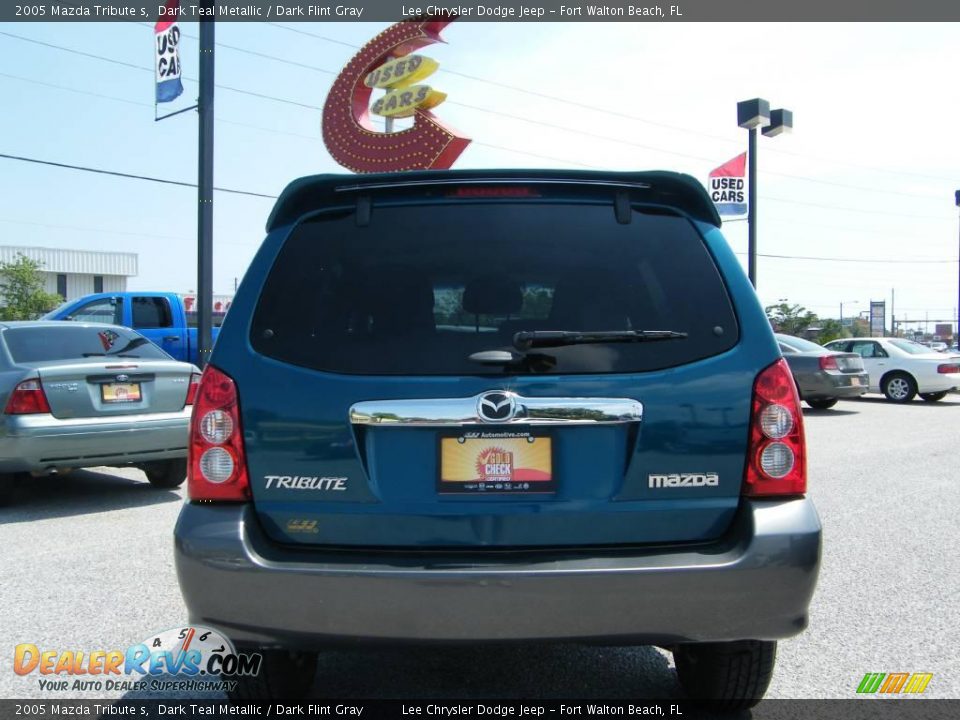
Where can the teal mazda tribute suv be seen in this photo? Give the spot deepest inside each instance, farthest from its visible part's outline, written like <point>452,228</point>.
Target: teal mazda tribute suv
<point>547,400</point>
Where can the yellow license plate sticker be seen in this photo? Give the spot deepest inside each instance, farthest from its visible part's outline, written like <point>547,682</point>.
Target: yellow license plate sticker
<point>496,462</point>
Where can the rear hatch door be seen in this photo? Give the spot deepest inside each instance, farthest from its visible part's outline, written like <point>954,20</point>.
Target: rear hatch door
<point>375,415</point>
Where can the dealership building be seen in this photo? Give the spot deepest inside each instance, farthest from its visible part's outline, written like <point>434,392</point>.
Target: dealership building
<point>74,273</point>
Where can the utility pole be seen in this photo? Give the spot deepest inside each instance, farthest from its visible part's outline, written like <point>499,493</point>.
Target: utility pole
<point>956,338</point>
<point>893,313</point>
<point>205,188</point>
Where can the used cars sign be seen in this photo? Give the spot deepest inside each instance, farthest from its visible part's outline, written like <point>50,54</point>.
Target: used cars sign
<point>728,186</point>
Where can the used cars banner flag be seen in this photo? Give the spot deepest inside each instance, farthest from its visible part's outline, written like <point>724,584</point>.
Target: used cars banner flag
<point>166,34</point>
<point>728,186</point>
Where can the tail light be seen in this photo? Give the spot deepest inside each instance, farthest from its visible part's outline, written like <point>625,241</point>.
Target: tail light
<point>192,390</point>
<point>217,468</point>
<point>828,362</point>
<point>777,463</point>
<point>27,398</point>
<point>947,369</point>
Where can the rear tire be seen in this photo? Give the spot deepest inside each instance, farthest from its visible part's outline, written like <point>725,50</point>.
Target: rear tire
<point>934,397</point>
<point>8,487</point>
<point>899,387</point>
<point>166,473</point>
<point>726,676</point>
<point>283,674</point>
<point>821,403</point>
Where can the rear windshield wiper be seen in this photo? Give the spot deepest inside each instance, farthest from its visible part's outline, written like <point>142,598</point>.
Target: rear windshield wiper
<point>526,339</point>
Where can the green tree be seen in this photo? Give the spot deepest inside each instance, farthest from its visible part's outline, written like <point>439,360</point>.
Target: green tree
<point>790,319</point>
<point>21,290</point>
<point>831,330</point>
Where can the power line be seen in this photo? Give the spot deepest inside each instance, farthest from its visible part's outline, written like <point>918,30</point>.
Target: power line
<point>75,90</point>
<point>853,260</point>
<point>514,150</point>
<point>635,118</point>
<point>143,104</point>
<point>143,68</point>
<point>129,176</point>
<point>536,155</point>
<point>477,108</point>
<point>577,131</point>
<point>105,231</point>
<point>850,209</point>
<point>75,52</point>
<point>842,228</point>
<point>563,128</point>
<point>96,230</point>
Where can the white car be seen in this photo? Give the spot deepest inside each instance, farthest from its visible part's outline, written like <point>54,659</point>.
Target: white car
<point>901,369</point>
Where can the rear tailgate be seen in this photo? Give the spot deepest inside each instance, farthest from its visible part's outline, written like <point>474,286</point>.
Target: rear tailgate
<point>673,476</point>
<point>362,409</point>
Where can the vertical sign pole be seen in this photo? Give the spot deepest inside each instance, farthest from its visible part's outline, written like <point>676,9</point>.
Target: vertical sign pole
<point>752,207</point>
<point>205,189</point>
<point>956,337</point>
<point>893,312</point>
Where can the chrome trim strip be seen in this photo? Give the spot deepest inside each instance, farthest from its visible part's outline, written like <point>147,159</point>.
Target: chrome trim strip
<point>494,181</point>
<point>459,412</point>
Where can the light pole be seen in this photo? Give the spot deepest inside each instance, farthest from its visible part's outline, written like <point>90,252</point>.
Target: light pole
<point>956,338</point>
<point>846,302</point>
<point>752,114</point>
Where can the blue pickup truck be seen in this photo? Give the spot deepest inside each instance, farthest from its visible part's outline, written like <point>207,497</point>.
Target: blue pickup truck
<point>168,319</point>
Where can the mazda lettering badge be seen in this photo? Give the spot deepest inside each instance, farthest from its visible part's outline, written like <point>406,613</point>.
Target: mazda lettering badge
<point>497,406</point>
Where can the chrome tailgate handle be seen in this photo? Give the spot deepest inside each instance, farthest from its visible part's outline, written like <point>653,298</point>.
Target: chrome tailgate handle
<point>497,407</point>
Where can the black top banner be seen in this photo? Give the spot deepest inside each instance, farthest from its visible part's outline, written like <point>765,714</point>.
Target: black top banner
<point>494,11</point>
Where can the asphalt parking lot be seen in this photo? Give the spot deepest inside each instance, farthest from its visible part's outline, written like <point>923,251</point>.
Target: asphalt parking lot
<point>88,565</point>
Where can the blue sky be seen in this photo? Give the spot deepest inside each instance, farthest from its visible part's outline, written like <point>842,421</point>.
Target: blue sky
<point>868,174</point>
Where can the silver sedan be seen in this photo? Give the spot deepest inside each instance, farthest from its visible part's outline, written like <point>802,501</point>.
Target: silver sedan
<point>86,394</point>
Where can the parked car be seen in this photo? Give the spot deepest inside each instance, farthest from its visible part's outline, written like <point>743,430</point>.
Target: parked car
<point>85,394</point>
<point>823,376</point>
<point>162,317</point>
<point>901,369</point>
<point>939,346</point>
<point>526,405</point>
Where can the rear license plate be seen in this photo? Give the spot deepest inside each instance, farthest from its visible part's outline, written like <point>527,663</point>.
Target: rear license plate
<point>517,463</point>
<point>120,392</point>
<point>855,381</point>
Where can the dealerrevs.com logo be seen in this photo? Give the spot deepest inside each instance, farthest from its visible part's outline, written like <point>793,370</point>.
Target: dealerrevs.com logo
<point>192,658</point>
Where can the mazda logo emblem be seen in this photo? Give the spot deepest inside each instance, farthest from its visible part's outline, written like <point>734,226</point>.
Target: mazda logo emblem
<point>497,406</point>
<point>122,378</point>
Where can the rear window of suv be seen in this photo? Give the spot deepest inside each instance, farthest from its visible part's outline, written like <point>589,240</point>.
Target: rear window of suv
<point>420,288</point>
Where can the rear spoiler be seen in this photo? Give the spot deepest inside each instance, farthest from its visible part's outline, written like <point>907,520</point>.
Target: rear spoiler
<point>316,192</point>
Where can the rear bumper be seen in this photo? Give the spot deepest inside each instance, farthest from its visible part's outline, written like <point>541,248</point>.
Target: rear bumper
<point>834,385</point>
<point>941,382</point>
<point>755,582</point>
<point>41,442</point>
